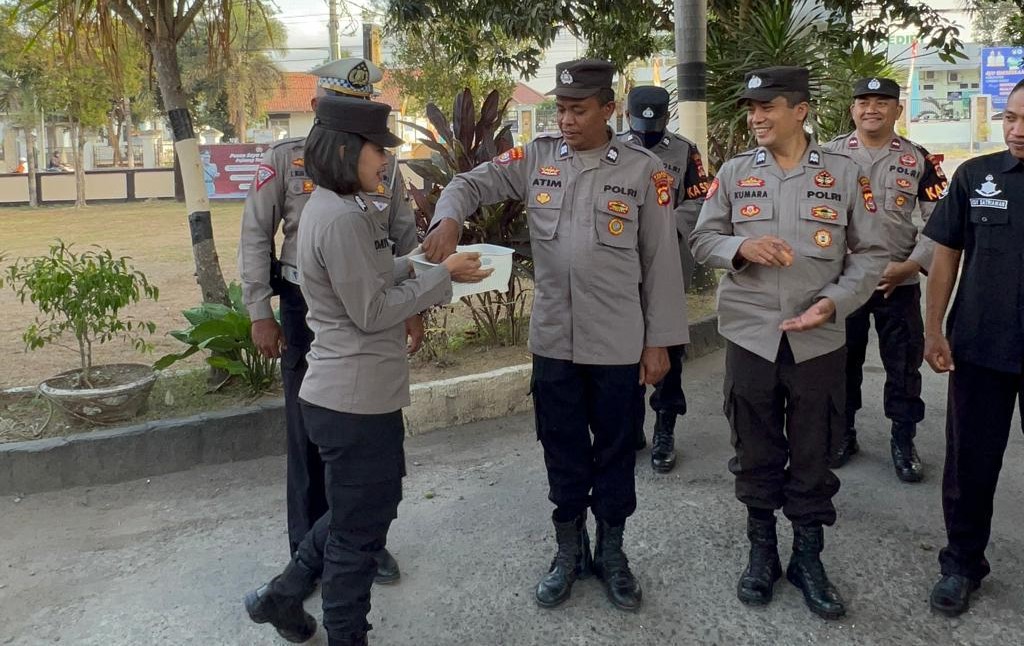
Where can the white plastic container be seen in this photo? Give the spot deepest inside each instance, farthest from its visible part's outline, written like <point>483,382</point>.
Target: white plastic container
<point>500,258</point>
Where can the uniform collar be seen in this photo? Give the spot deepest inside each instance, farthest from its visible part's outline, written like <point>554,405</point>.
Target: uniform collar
<point>612,150</point>
<point>1010,162</point>
<point>812,157</point>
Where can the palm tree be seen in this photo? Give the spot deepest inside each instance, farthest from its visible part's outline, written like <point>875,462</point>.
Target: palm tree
<point>160,25</point>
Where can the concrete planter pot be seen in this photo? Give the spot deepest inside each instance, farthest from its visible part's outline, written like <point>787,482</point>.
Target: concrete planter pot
<point>122,391</point>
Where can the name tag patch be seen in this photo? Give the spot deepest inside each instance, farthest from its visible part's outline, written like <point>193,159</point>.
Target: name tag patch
<point>989,203</point>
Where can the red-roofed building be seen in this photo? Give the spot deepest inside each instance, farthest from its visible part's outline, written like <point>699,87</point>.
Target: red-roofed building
<point>289,113</point>
<point>526,95</point>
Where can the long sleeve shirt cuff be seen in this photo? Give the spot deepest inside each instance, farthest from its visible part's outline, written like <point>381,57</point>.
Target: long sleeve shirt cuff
<point>260,310</point>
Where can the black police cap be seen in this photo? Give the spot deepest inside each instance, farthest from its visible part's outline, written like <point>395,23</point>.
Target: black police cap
<point>647,106</point>
<point>582,78</point>
<point>367,119</point>
<point>767,83</point>
<point>878,86</point>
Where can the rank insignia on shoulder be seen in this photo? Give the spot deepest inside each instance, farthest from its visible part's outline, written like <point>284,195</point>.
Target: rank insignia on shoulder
<point>549,171</point>
<point>750,210</point>
<point>361,202</point>
<point>615,206</point>
<point>814,158</point>
<point>908,160</point>
<point>750,182</point>
<point>543,198</point>
<point>612,155</point>
<point>823,238</point>
<point>761,158</point>
<point>824,213</point>
<point>903,182</point>
<point>616,227</point>
<point>510,155</point>
<point>308,186</point>
<point>264,174</point>
<point>713,188</point>
<point>824,179</point>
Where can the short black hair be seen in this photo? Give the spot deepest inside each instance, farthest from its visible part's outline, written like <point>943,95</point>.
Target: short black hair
<point>1016,88</point>
<point>605,96</point>
<point>323,164</point>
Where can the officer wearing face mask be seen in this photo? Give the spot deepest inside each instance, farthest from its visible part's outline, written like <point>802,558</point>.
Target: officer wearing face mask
<point>647,111</point>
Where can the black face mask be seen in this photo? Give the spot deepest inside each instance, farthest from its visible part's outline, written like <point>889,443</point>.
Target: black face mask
<point>649,139</point>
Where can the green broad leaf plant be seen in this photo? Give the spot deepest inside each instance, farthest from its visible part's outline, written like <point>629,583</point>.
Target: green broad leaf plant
<point>225,332</point>
<point>82,294</point>
<point>460,145</point>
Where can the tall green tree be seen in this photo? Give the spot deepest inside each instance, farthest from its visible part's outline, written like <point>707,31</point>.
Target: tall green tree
<point>998,22</point>
<point>160,25</point>
<point>624,31</point>
<point>20,80</point>
<point>229,86</point>
<point>423,79</point>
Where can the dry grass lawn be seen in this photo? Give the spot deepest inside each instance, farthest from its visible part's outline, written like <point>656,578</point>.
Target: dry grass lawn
<point>155,234</point>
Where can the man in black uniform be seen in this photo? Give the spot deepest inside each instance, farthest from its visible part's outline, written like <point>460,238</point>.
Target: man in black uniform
<point>906,179</point>
<point>980,219</point>
<point>647,110</point>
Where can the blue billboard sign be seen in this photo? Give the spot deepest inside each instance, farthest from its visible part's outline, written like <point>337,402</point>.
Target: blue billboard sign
<point>1001,69</point>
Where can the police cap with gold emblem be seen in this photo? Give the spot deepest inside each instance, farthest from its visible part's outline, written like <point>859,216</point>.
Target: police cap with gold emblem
<point>648,108</point>
<point>767,83</point>
<point>349,76</point>
<point>877,86</point>
<point>582,78</point>
<point>368,119</point>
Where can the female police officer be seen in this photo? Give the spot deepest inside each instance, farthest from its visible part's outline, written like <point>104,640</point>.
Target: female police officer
<point>359,296</point>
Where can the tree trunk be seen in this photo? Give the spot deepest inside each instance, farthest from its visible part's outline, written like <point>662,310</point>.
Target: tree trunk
<point>128,127</point>
<point>78,142</point>
<point>30,157</point>
<point>113,137</point>
<point>168,76</point>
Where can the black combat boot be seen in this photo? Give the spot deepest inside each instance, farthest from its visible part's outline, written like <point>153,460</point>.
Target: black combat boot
<point>904,453</point>
<point>280,603</point>
<point>387,568</point>
<point>572,561</point>
<point>848,446</point>
<point>663,444</point>
<point>806,572</point>
<point>354,639</point>
<point>764,568</point>
<point>612,567</point>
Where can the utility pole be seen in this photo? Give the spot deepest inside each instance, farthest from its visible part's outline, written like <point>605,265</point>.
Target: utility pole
<point>691,70</point>
<point>333,28</point>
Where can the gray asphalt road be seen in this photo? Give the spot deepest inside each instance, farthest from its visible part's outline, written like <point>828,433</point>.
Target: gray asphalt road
<point>167,561</point>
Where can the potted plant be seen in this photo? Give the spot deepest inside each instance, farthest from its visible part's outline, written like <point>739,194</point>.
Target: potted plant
<point>83,294</point>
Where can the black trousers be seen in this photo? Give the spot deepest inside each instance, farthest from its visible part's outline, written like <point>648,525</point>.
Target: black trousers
<point>586,418</point>
<point>978,418</point>
<point>306,498</point>
<point>785,417</point>
<point>901,345</point>
<point>364,462</point>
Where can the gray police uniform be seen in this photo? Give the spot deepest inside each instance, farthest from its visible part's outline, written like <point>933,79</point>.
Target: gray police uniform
<point>607,284</point>
<point>683,162</point>
<point>279,191</point>
<point>825,210</point>
<point>907,180</point>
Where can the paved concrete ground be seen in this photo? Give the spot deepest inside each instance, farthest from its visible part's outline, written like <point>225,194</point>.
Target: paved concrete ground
<point>167,561</point>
